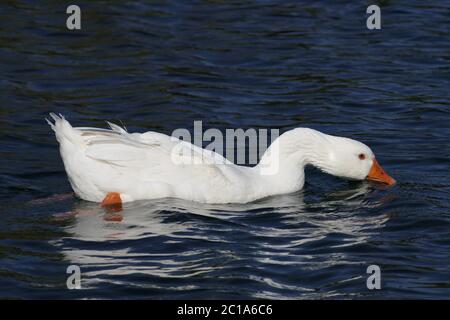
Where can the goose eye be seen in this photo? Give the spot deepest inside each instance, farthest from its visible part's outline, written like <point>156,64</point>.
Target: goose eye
<point>361,156</point>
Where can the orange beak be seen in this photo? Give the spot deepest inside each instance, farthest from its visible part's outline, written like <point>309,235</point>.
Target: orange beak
<point>378,174</point>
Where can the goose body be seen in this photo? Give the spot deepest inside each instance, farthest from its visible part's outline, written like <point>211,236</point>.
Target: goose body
<point>100,162</point>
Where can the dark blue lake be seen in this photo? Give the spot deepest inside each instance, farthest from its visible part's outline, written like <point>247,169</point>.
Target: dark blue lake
<point>231,64</point>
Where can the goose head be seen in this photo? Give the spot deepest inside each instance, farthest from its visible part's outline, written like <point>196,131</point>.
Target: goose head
<point>351,159</point>
<point>338,156</point>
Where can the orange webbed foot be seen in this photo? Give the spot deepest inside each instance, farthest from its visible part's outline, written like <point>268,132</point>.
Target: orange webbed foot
<point>112,202</point>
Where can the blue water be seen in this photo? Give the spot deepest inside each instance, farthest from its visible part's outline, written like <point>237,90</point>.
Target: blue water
<point>231,64</point>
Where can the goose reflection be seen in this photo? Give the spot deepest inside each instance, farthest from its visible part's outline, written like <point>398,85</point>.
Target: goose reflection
<point>177,238</point>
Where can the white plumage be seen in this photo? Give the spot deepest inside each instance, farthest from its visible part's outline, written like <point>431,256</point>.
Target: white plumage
<point>153,165</point>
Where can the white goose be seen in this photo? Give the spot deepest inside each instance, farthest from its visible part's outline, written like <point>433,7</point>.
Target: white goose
<point>113,166</point>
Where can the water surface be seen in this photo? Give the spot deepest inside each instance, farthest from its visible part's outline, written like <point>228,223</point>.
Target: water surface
<point>231,64</point>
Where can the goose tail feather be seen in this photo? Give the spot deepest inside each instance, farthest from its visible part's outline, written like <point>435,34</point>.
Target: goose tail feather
<point>63,130</point>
